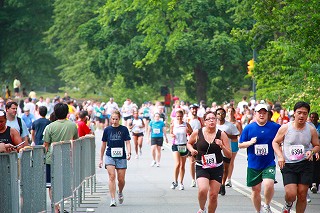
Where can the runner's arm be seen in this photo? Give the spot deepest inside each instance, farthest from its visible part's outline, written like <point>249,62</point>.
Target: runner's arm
<point>276,144</point>
<point>192,140</point>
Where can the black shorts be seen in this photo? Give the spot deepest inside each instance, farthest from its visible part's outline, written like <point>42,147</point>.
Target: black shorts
<point>137,134</point>
<point>298,173</point>
<point>226,160</point>
<point>210,173</point>
<point>127,118</point>
<point>147,118</point>
<point>157,141</point>
<point>174,148</point>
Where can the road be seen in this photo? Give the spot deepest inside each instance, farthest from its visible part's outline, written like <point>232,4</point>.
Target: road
<point>148,188</point>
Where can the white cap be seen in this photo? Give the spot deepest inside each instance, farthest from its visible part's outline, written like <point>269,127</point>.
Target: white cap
<point>261,106</point>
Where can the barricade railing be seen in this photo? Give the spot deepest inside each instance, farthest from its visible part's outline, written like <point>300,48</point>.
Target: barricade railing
<point>9,187</point>
<point>72,171</point>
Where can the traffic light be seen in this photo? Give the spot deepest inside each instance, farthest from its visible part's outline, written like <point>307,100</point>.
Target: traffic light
<point>250,67</point>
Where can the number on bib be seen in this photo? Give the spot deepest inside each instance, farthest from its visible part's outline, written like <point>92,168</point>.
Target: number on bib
<point>209,161</point>
<point>182,149</point>
<point>116,152</point>
<point>261,149</point>
<point>156,131</point>
<point>296,152</point>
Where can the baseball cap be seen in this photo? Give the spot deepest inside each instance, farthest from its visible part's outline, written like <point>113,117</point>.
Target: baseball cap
<point>261,106</point>
<point>194,106</point>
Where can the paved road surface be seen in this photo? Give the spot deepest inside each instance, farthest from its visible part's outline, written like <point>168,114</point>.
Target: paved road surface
<point>148,189</point>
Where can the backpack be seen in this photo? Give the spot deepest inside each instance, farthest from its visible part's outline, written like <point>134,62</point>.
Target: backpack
<point>20,125</point>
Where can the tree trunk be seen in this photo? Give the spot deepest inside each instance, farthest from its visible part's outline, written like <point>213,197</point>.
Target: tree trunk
<point>201,78</point>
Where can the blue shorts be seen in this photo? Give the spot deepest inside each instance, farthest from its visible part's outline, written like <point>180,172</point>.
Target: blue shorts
<point>119,163</point>
<point>234,146</point>
<point>174,148</point>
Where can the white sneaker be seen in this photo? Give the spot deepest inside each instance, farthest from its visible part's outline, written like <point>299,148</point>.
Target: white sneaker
<point>267,209</point>
<point>137,156</point>
<point>140,153</point>
<point>113,202</point>
<point>174,185</point>
<point>120,198</point>
<point>228,183</point>
<point>153,163</point>
<point>158,164</point>
<point>201,211</point>
<point>308,198</point>
<point>181,186</point>
<point>193,183</point>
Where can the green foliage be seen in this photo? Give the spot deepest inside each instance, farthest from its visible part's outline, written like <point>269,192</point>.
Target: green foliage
<point>138,94</point>
<point>22,52</point>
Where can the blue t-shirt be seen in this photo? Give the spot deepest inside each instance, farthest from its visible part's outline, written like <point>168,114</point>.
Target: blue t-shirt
<point>38,126</point>
<point>265,135</point>
<point>116,137</point>
<point>156,129</point>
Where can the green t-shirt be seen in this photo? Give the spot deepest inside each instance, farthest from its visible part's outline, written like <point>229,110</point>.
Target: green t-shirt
<point>60,130</point>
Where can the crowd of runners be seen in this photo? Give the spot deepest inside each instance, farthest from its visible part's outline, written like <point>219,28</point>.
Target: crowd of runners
<point>209,136</point>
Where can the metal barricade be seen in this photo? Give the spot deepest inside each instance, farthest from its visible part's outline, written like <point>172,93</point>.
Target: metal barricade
<point>72,167</point>
<point>9,187</point>
<point>33,180</point>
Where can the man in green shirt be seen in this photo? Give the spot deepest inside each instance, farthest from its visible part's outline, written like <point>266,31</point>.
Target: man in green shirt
<point>58,131</point>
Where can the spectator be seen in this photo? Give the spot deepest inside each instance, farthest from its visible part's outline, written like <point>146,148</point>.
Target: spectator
<point>38,126</point>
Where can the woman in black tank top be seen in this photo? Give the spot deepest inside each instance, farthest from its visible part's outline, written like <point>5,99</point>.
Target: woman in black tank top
<point>8,135</point>
<point>210,143</point>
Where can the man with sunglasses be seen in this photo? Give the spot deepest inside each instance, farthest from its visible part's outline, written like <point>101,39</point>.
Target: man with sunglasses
<point>257,137</point>
<point>232,133</point>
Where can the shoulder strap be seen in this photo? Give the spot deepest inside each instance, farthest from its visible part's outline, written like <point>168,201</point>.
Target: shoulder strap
<point>20,125</point>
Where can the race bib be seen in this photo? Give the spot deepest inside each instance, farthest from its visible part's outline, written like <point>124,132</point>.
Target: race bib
<point>261,149</point>
<point>98,114</point>
<point>296,152</point>
<point>116,152</point>
<point>209,161</point>
<point>182,149</point>
<point>156,131</point>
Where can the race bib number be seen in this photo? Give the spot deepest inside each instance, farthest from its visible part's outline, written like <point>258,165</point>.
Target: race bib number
<point>182,149</point>
<point>296,152</point>
<point>116,152</point>
<point>261,149</point>
<point>156,131</point>
<point>209,161</point>
<point>98,114</point>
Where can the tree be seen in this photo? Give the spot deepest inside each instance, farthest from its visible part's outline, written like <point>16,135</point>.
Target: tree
<point>22,52</point>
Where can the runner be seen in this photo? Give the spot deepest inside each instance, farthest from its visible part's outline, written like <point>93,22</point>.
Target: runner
<point>126,110</point>
<point>232,133</point>
<point>300,142</point>
<point>157,130</point>
<point>195,123</point>
<point>137,127</point>
<point>257,138</point>
<point>179,131</point>
<point>234,143</point>
<point>115,137</point>
<point>207,144</point>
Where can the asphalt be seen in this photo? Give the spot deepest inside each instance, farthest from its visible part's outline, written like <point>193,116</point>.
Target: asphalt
<point>147,189</point>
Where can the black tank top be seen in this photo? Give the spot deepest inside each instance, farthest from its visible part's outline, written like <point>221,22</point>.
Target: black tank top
<point>5,137</point>
<point>203,147</point>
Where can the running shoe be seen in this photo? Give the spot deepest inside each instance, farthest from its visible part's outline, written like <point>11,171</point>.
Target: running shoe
<point>140,153</point>
<point>222,190</point>
<point>113,203</point>
<point>228,183</point>
<point>158,164</point>
<point>193,183</point>
<point>201,211</point>
<point>181,186</point>
<point>153,163</point>
<point>137,156</point>
<point>174,185</point>
<point>286,208</point>
<point>267,209</point>
<point>308,198</point>
<point>120,197</point>
<point>314,189</point>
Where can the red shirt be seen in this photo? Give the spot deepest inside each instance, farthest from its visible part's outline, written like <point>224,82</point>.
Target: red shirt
<point>83,129</point>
